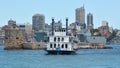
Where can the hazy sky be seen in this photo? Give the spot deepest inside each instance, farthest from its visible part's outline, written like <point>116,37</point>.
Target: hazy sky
<point>23,10</point>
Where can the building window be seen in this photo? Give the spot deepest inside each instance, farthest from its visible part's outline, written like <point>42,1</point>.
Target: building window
<point>54,39</point>
<point>66,46</point>
<point>62,39</point>
<point>39,45</point>
<point>54,45</point>
<point>6,37</point>
<point>48,39</point>
<point>50,45</point>
<point>62,45</point>
<point>17,37</point>
<point>58,39</point>
<point>58,45</point>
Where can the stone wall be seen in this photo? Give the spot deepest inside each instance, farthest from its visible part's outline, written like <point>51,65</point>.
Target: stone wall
<point>34,45</point>
<point>14,38</point>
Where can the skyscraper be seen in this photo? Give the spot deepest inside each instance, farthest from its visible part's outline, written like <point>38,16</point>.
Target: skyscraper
<point>38,22</point>
<point>80,18</point>
<point>90,21</point>
<point>80,15</point>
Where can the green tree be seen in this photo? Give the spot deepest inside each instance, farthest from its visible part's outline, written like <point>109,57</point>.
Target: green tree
<point>93,31</point>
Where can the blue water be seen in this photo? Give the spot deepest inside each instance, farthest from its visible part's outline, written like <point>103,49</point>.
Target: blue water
<point>85,58</point>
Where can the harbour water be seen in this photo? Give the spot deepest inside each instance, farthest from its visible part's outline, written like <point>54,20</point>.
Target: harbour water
<point>85,58</point>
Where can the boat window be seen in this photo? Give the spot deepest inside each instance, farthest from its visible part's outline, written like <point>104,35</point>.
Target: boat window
<point>62,39</point>
<point>58,39</point>
<point>54,45</point>
<point>48,39</point>
<point>50,45</point>
<point>62,30</point>
<point>62,45</point>
<point>70,39</point>
<point>66,46</point>
<point>58,45</point>
<point>54,39</point>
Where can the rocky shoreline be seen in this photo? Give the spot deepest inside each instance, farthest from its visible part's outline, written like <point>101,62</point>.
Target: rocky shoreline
<point>28,46</point>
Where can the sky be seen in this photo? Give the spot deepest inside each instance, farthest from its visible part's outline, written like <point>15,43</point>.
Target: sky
<point>23,10</point>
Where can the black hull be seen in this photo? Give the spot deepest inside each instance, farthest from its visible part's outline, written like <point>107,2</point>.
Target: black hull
<point>60,52</point>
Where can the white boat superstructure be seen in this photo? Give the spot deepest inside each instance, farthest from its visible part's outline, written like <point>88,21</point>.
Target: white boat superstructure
<point>60,43</point>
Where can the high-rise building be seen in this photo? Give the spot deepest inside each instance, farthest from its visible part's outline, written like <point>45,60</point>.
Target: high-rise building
<point>104,23</point>
<point>11,22</point>
<point>90,21</point>
<point>38,22</point>
<point>80,18</point>
<point>48,27</point>
<point>80,15</point>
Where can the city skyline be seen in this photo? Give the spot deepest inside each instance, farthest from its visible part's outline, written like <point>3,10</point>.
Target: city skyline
<point>22,11</point>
